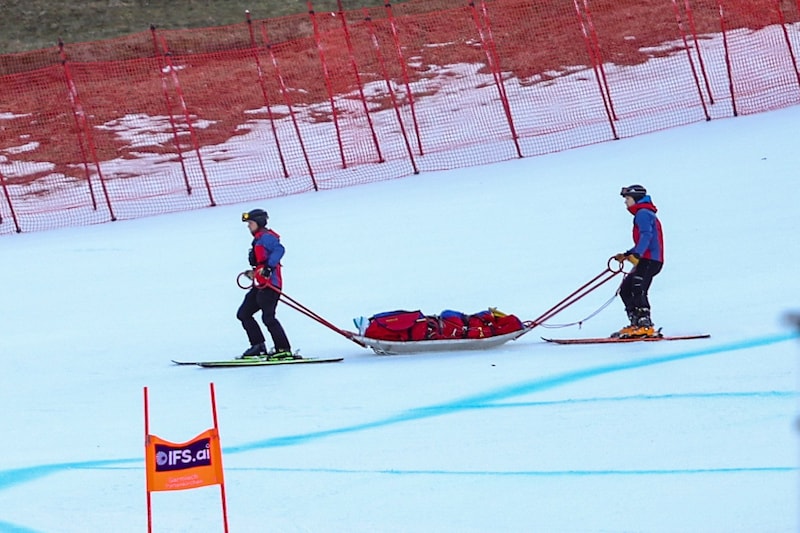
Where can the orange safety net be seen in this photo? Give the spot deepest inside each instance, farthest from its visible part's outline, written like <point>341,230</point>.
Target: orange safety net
<point>162,121</point>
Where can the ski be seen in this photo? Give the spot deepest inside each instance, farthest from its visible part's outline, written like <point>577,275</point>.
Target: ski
<point>609,340</point>
<point>227,363</point>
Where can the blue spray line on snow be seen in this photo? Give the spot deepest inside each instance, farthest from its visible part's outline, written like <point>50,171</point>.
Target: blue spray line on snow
<point>5,527</point>
<point>14,477</point>
<point>537,385</point>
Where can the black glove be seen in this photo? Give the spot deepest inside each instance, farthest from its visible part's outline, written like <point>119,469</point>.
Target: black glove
<point>265,271</point>
<point>251,258</point>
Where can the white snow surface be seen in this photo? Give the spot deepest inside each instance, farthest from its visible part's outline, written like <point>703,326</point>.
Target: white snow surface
<point>693,436</point>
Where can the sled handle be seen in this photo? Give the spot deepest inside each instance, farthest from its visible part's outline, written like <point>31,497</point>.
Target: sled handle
<point>616,267</point>
<point>248,275</point>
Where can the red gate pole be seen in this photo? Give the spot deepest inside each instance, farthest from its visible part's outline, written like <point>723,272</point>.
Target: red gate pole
<point>288,101</point>
<point>728,66</point>
<point>10,205</point>
<point>693,28</point>
<point>389,88</point>
<point>357,75</point>
<point>147,445</point>
<point>328,84</point>
<point>84,127</point>
<point>402,60</point>
<point>494,66</point>
<point>590,51</point>
<point>689,57</point>
<point>188,117</point>
<point>168,105</point>
<point>265,94</point>
<point>216,436</point>
<point>786,38</point>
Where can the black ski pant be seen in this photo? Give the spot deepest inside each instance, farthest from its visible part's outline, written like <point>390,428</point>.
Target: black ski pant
<point>634,287</point>
<point>265,300</point>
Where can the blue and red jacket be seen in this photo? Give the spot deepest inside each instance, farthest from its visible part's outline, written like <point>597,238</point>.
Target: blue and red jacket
<point>647,236</point>
<point>268,251</point>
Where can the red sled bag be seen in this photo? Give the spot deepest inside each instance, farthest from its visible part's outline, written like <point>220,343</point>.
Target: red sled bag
<point>507,324</point>
<point>490,323</point>
<point>398,326</point>
<point>452,325</point>
<point>480,325</point>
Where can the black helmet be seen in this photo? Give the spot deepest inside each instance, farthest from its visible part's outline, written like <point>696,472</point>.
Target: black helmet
<point>637,192</point>
<point>259,216</point>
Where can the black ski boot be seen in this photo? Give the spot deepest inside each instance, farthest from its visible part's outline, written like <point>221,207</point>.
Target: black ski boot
<point>255,351</point>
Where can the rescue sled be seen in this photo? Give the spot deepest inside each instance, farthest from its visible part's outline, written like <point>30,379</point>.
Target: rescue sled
<point>384,347</point>
<point>403,332</point>
<point>408,332</point>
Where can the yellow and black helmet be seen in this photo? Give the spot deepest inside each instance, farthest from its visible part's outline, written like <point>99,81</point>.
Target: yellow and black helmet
<point>259,216</point>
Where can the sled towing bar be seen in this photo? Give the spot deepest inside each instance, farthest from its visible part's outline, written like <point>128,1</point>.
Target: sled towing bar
<point>297,306</point>
<point>603,277</point>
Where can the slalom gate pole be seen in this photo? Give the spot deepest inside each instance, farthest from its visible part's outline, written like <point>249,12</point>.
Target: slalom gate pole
<point>297,306</point>
<point>603,277</point>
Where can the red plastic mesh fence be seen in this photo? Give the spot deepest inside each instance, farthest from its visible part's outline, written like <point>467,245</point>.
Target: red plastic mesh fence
<point>162,121</point>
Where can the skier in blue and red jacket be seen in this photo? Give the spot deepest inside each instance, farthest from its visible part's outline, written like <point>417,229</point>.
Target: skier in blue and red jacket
<point>647,256</point>
<point>265,259</point>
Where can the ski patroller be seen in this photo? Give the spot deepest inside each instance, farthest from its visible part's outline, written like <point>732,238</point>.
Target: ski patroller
<point>258,361</point>
<point>622,340</point>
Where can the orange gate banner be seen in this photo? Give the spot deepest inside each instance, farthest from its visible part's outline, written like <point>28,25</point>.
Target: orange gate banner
<point>186,465</point>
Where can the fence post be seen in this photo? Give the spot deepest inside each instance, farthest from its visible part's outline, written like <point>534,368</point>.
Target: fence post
<point>788,41</point>
<point>10,205</point>
<point>328,86</point>
<point>593,57</point>
<point>168,105</point>
<point>288,101</point>
<point>494,65</point>
<point>265,94</point>
<point>402,60</point>
<point>389,88</point>
<point>728,67</point>
<point>187,116</point>
<point>83,126</point>
<point>357,75</point>
<point>689,57</point>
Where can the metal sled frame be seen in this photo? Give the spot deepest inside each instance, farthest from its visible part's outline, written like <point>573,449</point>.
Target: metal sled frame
<point>383,347</point>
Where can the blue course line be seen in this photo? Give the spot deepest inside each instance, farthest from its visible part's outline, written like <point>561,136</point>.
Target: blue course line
<point>509,473</point>
<point>6,527</point>
<point>542,473</point>
<point>537,385</point>
<point>766,395</point>
<point>18,476</point>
